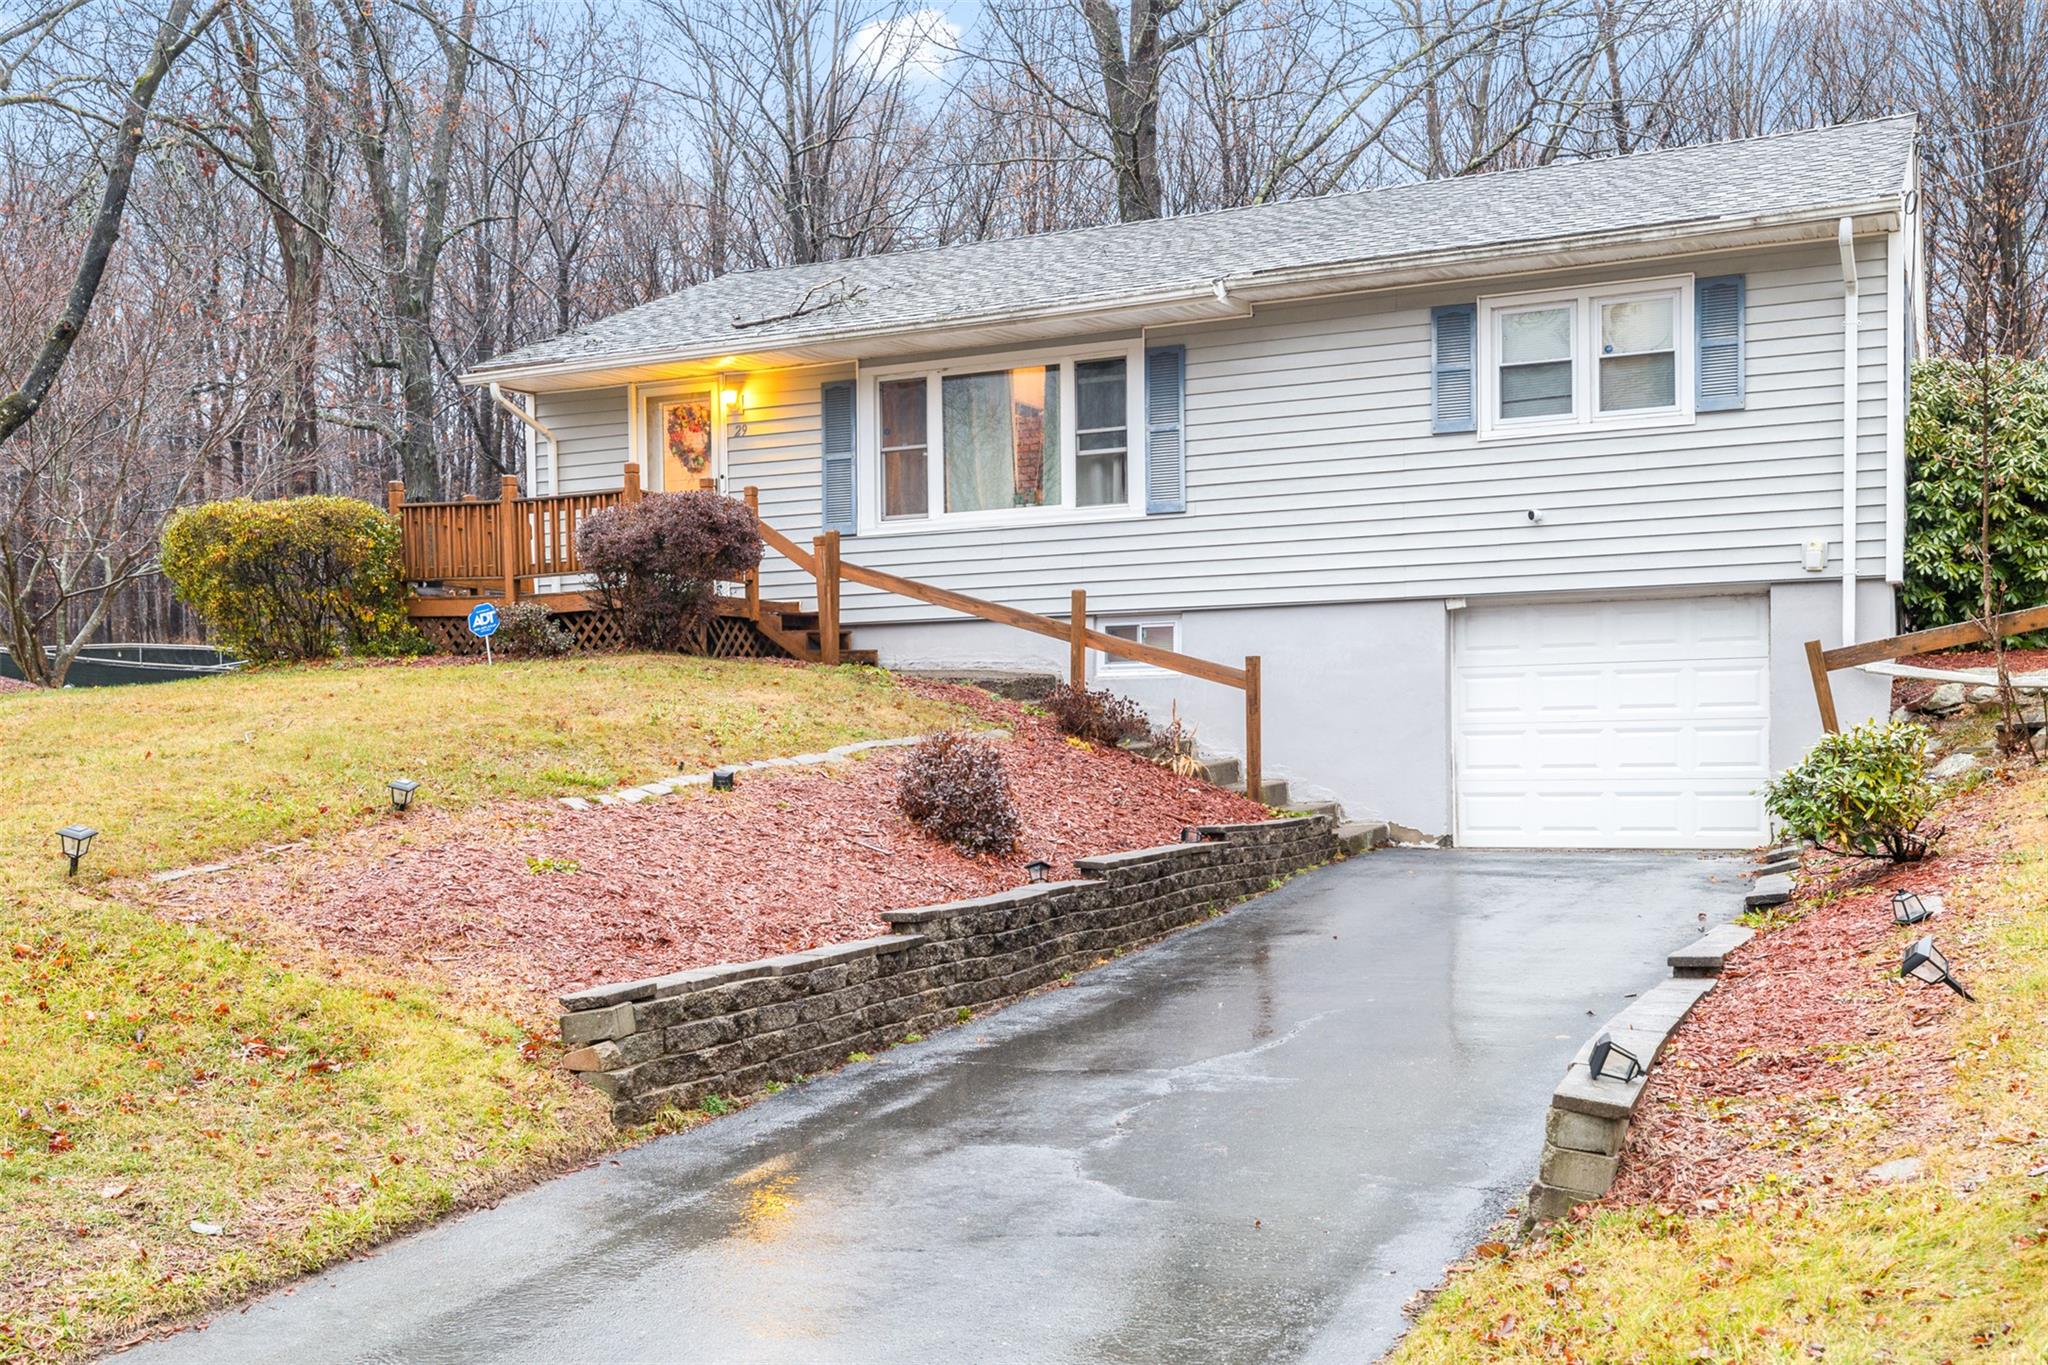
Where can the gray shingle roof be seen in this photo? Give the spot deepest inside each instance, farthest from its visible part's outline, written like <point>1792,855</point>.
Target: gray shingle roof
<point>1787,175</point>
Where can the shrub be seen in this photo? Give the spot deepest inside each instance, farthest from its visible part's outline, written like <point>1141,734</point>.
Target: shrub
<point>1953,428</point>
<point>657,561</point>
<point>953,787</point>
<point>292,578</point>
<point>1099,717</point>
<point>1864,792</point>
<point>528,630</point>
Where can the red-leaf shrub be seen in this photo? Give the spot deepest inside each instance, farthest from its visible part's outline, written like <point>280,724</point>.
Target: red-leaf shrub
<point>953,787</point>
<point>656,561</point>
<point>1098,717</point>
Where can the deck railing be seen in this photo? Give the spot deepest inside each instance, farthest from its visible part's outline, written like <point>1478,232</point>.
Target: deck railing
<point>499,548</point>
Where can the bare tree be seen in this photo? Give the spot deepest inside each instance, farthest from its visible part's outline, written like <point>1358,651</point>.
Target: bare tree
<point>180,25</point>
<point>404,104</point>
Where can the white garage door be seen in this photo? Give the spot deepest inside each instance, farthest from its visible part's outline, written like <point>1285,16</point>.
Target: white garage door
<point>1636,724</point>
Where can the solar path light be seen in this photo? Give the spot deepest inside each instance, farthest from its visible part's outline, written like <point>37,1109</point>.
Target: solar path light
<point>1925,962</point>
<point>75,840</point>
<point>1610,1061</point>
<point>402,789</point>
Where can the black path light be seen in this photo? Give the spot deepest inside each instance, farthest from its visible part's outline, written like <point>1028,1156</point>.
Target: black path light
<point>402,789</point>
<point>1925,962</point>
<point>724,779</point>
<point>1037,869</point>
<point>75,840</point>
<point>1908,908</point>
<point>1191,834</point>
<point>1610,1061</point>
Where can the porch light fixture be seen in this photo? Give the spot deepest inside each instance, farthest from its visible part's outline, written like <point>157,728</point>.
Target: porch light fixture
<point>724,779</point>
<point>1925,962</point>
<point>402,789</point>
<point>1908,908</point>
<point>1037,869</point>
<point>1610,1061</point>
<point>75,840</point>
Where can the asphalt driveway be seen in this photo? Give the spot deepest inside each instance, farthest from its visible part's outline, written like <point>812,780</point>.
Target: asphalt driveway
<point>1254,1141</point>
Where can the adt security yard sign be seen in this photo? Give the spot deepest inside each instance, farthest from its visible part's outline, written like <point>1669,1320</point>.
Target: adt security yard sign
<point>483,623</point>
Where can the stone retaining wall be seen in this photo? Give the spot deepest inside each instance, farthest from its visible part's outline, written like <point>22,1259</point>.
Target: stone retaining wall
<point>730,1029</point>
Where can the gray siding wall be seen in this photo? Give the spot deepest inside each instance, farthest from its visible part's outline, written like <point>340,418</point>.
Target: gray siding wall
<point>1313,476</point>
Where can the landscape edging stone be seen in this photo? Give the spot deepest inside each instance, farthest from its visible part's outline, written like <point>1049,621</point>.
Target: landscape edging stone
<point>730,1028</point>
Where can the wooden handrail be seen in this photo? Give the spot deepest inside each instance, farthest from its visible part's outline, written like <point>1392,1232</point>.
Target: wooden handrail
<point>829,570</point>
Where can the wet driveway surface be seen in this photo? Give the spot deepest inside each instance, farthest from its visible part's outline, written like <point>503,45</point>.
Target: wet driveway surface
<point>1252,1142</point>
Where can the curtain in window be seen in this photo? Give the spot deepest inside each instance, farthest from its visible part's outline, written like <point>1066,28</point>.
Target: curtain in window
<point>1001,439</point>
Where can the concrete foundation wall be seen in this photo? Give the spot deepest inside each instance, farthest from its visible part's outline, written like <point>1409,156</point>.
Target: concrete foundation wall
<point>1357,697</point>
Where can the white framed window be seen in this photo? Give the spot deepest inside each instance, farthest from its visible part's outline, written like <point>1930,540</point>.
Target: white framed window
<point>1160,632</point>
<point>1570,361</point>
<point>997,439</point>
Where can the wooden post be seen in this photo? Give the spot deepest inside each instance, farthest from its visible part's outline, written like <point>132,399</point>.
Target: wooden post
<point>1077,639</point>
<point>752,497</point>
<point>825,550</point>
<point>394,495</point>
<point>509,537</point>
<point>1254,771</point>
<point>629,486</point>
<point>1823,689</point>
<point>707,485</point>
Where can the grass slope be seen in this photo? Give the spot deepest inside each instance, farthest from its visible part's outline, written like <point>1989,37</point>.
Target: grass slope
<point>188,1117</point>
<point>1950,1265</point>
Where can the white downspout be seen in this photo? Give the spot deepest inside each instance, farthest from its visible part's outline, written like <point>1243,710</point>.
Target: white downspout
<point>1845,239</point>
<point>527,420</point>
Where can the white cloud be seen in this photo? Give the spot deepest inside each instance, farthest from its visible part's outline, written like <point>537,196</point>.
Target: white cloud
<point>919,43</point>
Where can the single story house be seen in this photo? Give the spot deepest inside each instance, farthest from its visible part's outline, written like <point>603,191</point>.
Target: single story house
<point>1528,488</point>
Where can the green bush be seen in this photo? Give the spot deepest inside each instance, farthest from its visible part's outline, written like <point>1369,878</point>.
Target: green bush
<point>1953,428</point>
<point>528,630</point>
<point>294,578</point>
<point>1864,792</point>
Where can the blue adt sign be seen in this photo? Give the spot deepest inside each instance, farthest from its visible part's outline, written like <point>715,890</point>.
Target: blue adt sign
<point>483,620</point>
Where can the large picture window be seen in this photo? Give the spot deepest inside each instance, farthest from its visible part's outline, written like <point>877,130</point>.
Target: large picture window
<point>1586,359</point>
<point>1010,437</point>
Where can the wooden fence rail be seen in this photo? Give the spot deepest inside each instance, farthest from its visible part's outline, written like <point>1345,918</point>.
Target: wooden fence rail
<point>829,571</point>
<point>1821,662</point>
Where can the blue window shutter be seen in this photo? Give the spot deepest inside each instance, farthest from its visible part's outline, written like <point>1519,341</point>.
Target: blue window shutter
<point>1717,310</point>
<point>835,413</point>
<point>1166,471</point>
<point>1453,329</point>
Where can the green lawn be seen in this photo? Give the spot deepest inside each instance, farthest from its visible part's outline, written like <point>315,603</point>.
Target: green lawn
<point>1952,1265</point>
<point>188,1116</point>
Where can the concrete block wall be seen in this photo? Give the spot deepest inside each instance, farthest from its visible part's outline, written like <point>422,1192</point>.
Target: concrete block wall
<point>1589,1117</point>
<point>730,1029</point>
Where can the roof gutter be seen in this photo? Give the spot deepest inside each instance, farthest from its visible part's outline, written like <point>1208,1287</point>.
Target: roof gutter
<point>1233,296</point>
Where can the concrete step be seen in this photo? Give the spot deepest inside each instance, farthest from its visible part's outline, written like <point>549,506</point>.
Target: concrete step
<point>1329,808</point>
<point>1362,836</point>
<point>1272,792</point>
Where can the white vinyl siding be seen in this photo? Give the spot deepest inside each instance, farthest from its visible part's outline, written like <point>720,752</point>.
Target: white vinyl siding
<point>1313,475</point>
<point>591,425</point>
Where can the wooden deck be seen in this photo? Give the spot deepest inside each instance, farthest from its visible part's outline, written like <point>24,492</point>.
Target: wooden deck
<point>518,549</point>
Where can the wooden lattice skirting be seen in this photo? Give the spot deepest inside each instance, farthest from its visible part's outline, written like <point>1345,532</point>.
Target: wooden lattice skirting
<point>727,637</point>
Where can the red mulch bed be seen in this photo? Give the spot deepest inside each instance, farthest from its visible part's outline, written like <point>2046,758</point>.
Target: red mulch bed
<point>1810,1034</point>
<point>16,685</point>
<point>795,858</point>
<point>1906,691</point>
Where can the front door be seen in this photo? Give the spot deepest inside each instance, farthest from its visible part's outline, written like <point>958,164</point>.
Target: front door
<point>680,427</point>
